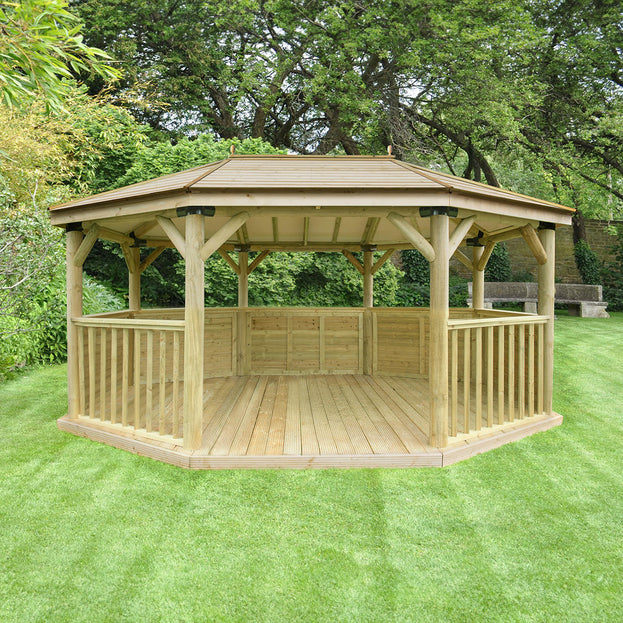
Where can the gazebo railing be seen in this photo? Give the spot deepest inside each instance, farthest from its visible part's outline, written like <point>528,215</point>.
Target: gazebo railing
<point>496,372</point>
<point>131,364</point>
<point>131,372</point>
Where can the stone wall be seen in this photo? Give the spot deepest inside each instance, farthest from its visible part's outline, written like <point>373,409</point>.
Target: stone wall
<point>522,259</point>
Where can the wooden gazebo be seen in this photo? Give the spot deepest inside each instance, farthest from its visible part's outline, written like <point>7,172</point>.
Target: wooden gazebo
<point>309,387</point>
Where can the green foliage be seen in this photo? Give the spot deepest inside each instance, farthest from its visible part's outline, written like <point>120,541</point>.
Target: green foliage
<point>416,266</point>
<point>587,262</point>
<point>612,277</point>
<point>300,279</point>
<point>42,51</point>
<point>499,264</point>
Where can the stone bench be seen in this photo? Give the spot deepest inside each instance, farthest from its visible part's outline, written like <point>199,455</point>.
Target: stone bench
<point>581,300</point>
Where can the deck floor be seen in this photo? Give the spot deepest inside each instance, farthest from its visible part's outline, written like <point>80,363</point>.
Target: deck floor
<point>309,421</point>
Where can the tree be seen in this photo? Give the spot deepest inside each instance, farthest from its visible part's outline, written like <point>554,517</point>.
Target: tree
<point>42,52</point>
<point>469,86</point>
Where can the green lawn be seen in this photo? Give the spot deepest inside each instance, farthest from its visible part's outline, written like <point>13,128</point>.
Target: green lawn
<point>532,531</point>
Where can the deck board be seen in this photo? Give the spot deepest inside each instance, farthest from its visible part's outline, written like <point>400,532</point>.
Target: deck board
<point>304,421</point>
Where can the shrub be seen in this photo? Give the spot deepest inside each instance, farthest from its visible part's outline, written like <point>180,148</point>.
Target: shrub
<point>499,264</point>
<point>416,267</point>
<point>587,262</point>
<point>612,277</point>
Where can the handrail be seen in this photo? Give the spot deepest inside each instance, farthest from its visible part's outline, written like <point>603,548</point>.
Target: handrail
<point>130,323</point>
<point>473,323</point>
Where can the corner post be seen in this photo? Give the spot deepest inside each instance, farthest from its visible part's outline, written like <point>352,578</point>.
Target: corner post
<point>193,333</point>
<point>134,280</point>
<point>439,315</point>
<point>74,310</point>
<point>546,296</point>
<point>478,279</point>
<point>243,304</point>
<point>368,303</point>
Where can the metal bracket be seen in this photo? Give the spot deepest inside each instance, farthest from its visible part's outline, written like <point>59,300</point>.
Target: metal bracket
<point>203,210</point>
<point>242,248</point>
<point>475,241</point>
<point>368,247</point>
<point>138,242</point>
<point>427,211</point>
<point>73,227</point>
<point>544,225</point>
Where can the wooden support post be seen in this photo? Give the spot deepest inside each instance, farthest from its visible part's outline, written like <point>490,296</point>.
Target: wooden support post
<point>243,279</point>
<point>478,279</point>
<point>439,314</point>
<point>74,310</point>
<point>193,333</point>
<point>243,304</point>
<point>134,279</point>
<point>368,279</point>
<point>546,294</point>
<point>368,303</point>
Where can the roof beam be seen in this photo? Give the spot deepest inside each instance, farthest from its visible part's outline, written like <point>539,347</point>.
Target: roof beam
<point>486,254</point>
<point>336,228</point>
<point>130,260</point>
<point>86,245</point>
<point>386,256</point>
<point>223,234</point>
<point>257,261</point>
<point>150,259</point>
<point>412,235</point>
<point>369,231</point>
<point>353,260</point>
<point>459,255</point>
<point>275,229</point>
<point>535,244</point>
<point>174,234</point>
<point>230,260</point>
<point>460,232</point>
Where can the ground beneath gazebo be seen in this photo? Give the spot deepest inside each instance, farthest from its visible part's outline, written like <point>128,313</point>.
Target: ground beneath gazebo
<point>310,421</point>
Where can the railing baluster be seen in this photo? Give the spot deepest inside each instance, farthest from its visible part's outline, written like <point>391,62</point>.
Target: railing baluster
<point>511,373</point>
<point>113,375</point>
<point>530,370</point>
<point>454,373</point>
<point>137,378</point>
<point>125,367</point>
<point>521,390</point>
<point>467,379</point>
<point>81,370</point>
<point>163,383</point>
<point>176,370</point>
<point>102,372</point>
<point>541,370</point>
<point>91,350</point>
<point>478,425</point>
<point>489,376</point>
<point>149,380</point>
<point>501,369</point>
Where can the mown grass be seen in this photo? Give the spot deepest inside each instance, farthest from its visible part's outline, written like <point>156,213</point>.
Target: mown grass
<point>529,532</point>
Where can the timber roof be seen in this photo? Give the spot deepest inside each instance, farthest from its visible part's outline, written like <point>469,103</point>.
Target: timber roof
<point>277,172</point>
<point>306,203</point>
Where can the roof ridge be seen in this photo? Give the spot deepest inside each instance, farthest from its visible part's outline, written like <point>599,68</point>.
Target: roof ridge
<point>217,165</point>
<point>114,190</point>
<point>414,168</point>
<point>482,185</point>
<point>312,156</point>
